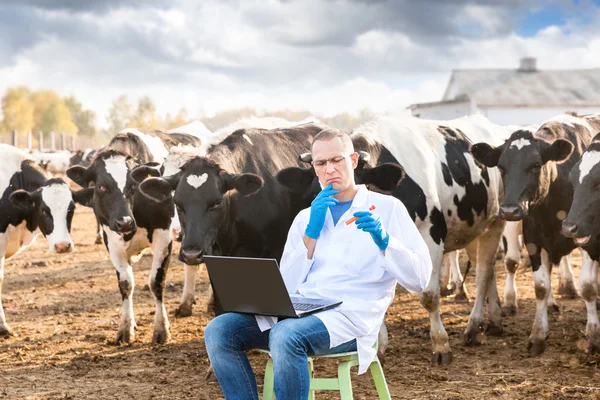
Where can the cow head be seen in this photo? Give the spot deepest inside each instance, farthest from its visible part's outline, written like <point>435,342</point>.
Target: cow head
<point>51,208</point>
<point>581,223</point>
<point>203,200</point>
<point>114,188</point>
<point>525,164</point>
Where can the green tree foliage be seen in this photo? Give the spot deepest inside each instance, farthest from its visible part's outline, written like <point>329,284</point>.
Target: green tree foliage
<point>18,110</point>
<point>85,120</point>
<point>119,115</point>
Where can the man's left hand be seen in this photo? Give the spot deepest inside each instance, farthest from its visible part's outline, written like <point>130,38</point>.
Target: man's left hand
<point>371,223</point>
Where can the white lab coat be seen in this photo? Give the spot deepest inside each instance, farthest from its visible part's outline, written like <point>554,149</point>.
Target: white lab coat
<point>347,265</point>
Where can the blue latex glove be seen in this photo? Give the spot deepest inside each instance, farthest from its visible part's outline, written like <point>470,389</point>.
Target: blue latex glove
<point>371,223</point>
<point>318,211</point>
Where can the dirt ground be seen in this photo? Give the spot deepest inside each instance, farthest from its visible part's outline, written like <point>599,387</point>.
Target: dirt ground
<point>65,311</point>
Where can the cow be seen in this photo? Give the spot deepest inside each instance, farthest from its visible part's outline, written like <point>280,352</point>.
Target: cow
<point>229,202</point>
<point>85,158</point>
<point>54,162</point>
<point>581,225</point>
<point>452,281</point>
<point>453,200</point>
<point>31,203</point>
<point>535,171</point>
<point>130,222</point>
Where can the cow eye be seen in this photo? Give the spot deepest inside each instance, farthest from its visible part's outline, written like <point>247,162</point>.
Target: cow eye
<point>535,167</point>
<point>102,188</point>
<point>216,204</point>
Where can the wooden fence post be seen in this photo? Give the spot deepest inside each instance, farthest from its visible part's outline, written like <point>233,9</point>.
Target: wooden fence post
<point>29,141</point>
<point>41,141</point>
<point>63,141</point>
<point>52,142</point>
<point>15,138</point>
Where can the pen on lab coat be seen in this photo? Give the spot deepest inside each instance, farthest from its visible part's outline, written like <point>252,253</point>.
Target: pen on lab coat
<point>351,220</point>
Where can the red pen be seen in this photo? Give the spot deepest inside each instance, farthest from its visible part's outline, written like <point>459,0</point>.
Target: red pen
<point>351,220</point>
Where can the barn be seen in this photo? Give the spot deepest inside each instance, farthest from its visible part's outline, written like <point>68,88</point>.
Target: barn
<point>524,95</point>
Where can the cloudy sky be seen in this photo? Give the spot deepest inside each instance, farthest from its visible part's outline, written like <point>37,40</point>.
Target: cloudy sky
<point>327,56</point>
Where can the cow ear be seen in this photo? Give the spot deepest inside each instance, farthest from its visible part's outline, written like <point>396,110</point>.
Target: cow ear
<point>83,196</point>
<point>22,200</point>
<point>305,157</point>
<point>297,180</point>
<point>156,189</point>
<point>80,175</point>
<point>139,173</point>
<point>245,184</point>
<point>486,154</point>
<point>558,151</point>
<point>385,176</point>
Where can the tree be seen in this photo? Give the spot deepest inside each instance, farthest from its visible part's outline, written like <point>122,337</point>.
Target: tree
<point>18,109</point>
<point>145,116</point>
<point>119,115</point>
<point>178,120</point>
<point>85,120</point>
<point>51,114</point>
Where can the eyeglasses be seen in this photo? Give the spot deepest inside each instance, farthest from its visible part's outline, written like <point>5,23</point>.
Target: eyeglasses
<point>337,160</point>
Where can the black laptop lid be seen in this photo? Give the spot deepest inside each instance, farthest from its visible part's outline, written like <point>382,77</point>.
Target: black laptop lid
<point>249,285</point>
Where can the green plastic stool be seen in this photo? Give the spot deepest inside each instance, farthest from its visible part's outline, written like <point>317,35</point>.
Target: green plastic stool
<point>342,383</point>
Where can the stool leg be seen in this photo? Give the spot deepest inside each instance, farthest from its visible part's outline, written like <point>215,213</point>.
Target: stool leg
<point>269,382</point>
<point>344,379</point>
<point>311,393</point>
<point>379,379</point>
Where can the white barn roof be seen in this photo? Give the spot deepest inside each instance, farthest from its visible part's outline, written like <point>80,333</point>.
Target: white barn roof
<point>526,87</point>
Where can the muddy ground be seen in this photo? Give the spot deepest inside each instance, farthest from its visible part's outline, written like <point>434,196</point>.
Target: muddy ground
<point>65,311</point>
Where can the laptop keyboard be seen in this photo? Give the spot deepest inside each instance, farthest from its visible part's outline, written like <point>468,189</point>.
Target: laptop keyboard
<point>305,306</point>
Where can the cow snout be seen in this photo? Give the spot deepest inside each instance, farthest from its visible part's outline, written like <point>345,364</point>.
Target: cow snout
<point>124,224</point>
<point>569,229</point>
<point>191,256</point>
<point>63,247</point>
<point>511,212</point>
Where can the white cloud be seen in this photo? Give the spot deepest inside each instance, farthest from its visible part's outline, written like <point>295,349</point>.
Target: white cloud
<point>326,56</point>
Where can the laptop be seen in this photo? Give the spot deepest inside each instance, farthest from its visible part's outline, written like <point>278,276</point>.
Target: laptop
<point>255,286</point>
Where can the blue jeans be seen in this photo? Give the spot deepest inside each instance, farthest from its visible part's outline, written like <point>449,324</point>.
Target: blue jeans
<point>290,342</point>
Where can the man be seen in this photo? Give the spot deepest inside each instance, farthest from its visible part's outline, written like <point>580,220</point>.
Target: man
<point>326,258</point>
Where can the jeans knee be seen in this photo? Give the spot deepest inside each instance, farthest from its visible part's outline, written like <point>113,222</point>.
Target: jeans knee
<point>217,331</point>
<point>282,339</point>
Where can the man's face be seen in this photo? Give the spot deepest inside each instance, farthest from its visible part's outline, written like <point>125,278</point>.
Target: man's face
<point>334,163</point>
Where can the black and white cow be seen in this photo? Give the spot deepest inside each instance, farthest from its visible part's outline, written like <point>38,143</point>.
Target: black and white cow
<point>535,170</point>
<point>130,222</point>
<point>582,226</point>
<point>30,203</point>
<point>452,199</point>
<point>229,202</point>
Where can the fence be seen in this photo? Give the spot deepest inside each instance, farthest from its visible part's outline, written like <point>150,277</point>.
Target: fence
<point>61,141</point>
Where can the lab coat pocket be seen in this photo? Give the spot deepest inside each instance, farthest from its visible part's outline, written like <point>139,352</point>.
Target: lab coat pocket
<point>361,258</point>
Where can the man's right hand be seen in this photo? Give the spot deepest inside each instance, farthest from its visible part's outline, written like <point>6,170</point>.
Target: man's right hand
<point>318,211</point>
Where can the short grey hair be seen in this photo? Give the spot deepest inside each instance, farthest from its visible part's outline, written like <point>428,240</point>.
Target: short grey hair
<point>332,133</point>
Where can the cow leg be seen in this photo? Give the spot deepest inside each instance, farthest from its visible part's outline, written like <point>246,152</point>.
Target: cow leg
<point>487,246</point>
<point>566,285</point>
<point>512,261</point>
<point>445,274</point>
<point>121,262</point>
<point>456,279</point>
<point>541,274</point>
<point>430,299</point>
<point>588,284</point>
<point>161,250</point>
<point>552,305</point>
<point>5,330</point>
<point>188,298</point>
<point>99,234</point>
<point>384,342</point>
